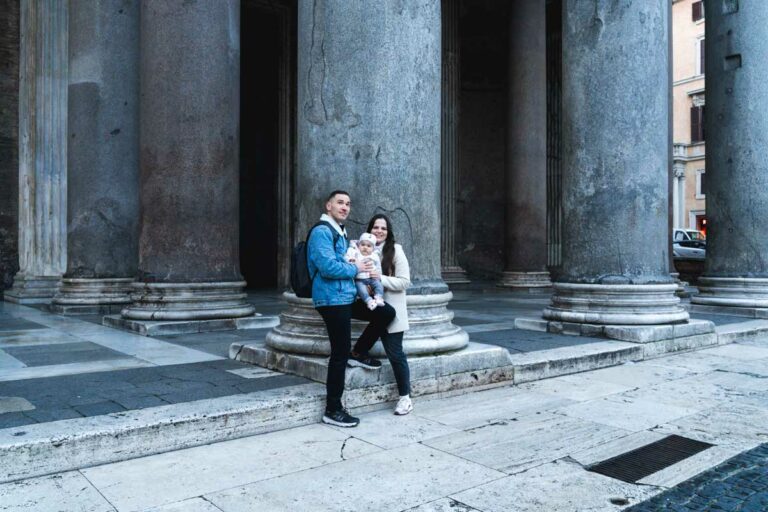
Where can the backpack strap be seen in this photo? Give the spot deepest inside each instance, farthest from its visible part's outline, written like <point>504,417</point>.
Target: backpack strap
<point>335,234</point>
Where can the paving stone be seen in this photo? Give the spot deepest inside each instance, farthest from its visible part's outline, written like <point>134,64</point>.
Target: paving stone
<point>491,406</point>
<point>53,414</point>
<point>190,505</point>
<point>722,424</point>
<point>166,478</point>
<point>139,402</point>
<point>443,505</point>
<point>14,404</point>
<point>18,324</point>
<point>63,492</point>
<point>575,387</point>
<point>517,445</point>
<point>627,413</point>
<point>99,408</point>
<point>62,353</point>
<point>423,475</point>
<point>14,419</point>
<point>556,486</point>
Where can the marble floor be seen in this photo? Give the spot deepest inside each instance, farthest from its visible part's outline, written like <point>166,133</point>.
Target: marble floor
<point>521,448</point>
<point>55,367</point>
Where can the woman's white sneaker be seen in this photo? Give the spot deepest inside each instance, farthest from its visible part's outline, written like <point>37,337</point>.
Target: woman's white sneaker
<point>404,405</point>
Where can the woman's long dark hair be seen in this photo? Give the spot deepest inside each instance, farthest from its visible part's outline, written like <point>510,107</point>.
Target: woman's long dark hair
<point>388,251</point>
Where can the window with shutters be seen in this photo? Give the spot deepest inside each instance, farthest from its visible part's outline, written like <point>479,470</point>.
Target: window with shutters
<point>700,56</point>
<point>701,184</point>
<point>697,10</point>
<point>697,124</point>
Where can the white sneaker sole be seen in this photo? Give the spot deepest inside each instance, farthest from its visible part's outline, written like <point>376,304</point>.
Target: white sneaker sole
<point>331,421</point>
<point>357,364</point>
<point>403,413</point>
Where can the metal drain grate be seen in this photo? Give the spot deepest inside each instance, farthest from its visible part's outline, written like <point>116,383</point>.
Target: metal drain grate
<point>646,460</point>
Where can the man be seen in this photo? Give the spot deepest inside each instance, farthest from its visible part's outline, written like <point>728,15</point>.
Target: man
<point>333,295</point>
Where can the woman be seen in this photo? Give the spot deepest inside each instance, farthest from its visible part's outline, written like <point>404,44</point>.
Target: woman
<point>396,277</point>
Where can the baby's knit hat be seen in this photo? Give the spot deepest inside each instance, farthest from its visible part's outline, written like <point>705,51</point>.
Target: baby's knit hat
<point>368,237</point>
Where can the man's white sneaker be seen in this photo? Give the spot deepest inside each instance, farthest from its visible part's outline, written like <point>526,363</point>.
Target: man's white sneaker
<point>404,405</point>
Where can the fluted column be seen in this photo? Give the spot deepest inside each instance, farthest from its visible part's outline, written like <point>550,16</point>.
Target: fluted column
<point>42,151</point>
<point>525,244</point>
<point>449,142</point>
<point>369,123</point>
<point>188,153</point>
<point>736,267</point>
<point>615,169</point>
<point>103,164</point>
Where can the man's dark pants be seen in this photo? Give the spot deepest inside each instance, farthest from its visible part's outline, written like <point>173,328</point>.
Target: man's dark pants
<point>338,322</point>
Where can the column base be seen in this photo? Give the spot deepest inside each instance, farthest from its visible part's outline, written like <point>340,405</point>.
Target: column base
<point>455,275</point>
<point>171,327</point>
<point>615,304</point>
<point>32,289</point>
<point>681,291</point>
<point>474,366</point>
<point>188,301</point>
<point>84,296</point>
<point>745,292</point>
<point>525,281</point>
<point>302,331</point>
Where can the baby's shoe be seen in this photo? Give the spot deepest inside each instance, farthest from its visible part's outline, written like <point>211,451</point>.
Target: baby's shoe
<point>371,303</point>
<point>379,300</point>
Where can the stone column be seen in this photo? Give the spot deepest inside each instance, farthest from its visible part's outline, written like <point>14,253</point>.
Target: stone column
<point>526,174</point>
<point>736,268</point>
<point>189,120</point>
<point>42,151</point>
<point>678,202</point>
<point>369,123</point>
<point>615,169</point>
<point>449,142</point>
<point>102,158</point>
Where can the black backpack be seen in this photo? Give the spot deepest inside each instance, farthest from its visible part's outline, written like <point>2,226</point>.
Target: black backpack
<point>301,281</point>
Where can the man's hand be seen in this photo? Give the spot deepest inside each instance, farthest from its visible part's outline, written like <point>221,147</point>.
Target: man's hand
<point>364,266</point>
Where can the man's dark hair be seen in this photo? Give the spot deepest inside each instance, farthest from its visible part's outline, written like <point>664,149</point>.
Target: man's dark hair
<point>335,193</point>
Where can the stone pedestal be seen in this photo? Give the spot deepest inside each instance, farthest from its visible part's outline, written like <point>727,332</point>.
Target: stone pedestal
<point>189,168</point>
<point>530,281</point>
<point>736,267</point>
<point>369,117</point>
<point>302,331</point>
<point>615,170</point>
<point>103,160</point>
<point>526,173</point>
<point>452,272</point>
<point>92,295</point>
<point>42,151</point>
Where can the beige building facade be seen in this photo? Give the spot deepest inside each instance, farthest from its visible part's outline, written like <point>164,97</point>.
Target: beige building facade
<point>689,172</point>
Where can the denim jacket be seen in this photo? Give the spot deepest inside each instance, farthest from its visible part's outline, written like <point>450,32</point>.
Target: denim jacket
<point>333,283</point>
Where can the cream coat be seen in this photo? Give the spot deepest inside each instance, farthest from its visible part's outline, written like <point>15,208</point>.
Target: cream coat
<point>394,290</point>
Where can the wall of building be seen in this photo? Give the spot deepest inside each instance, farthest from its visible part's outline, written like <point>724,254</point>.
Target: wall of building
<point>687,80</point>
<point>480,215</point>
<point>9,114</point>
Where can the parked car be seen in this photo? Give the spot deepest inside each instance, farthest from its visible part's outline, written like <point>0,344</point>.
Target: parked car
<point>688,244</point>
<point>681,234</point>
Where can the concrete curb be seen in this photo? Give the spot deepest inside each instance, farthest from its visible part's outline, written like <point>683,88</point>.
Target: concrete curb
<point>44,448</point>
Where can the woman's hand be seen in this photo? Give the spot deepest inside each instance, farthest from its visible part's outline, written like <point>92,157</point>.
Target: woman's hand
<point>375,274</point>
<point>364,266</point>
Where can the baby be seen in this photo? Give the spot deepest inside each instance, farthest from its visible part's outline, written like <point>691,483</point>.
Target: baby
<point>364,251</point>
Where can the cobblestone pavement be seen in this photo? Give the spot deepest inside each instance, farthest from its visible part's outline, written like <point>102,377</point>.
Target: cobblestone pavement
<point>737,485</point>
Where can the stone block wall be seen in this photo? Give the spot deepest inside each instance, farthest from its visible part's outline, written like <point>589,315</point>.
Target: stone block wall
<point>9,143</point>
